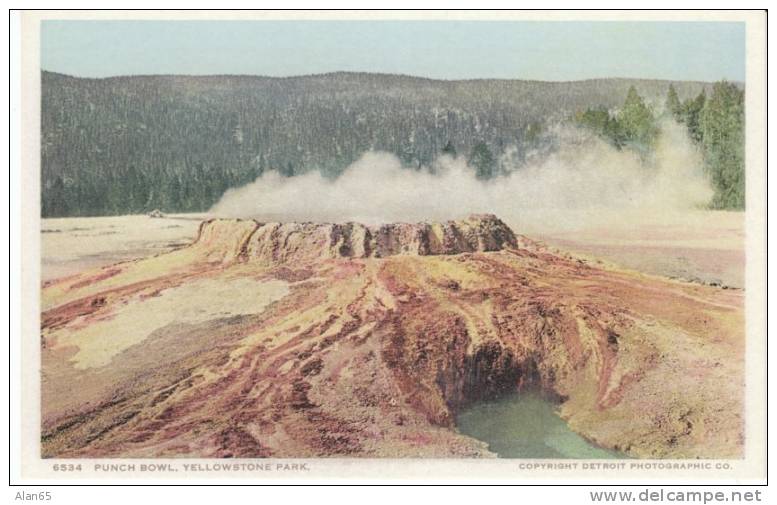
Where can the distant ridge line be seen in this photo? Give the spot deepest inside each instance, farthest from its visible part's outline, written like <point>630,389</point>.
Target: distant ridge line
<point>378,74</point>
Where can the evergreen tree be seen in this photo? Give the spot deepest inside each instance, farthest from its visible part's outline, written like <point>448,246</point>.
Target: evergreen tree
<point>449,149</point>
<point>287,170</point>
<point>603,123</point>
<point>57,202</point>
<point>723,139</point>
<point>483,161</point>
<point>533,131</point>
<point>690,115</point>
<point>673,106</point>
<point>637,122</point>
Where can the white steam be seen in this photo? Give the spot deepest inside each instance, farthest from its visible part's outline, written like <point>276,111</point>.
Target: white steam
<point>583,179</point>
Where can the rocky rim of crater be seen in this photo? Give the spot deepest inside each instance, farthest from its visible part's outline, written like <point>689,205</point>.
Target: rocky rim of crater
<point>228,240</point>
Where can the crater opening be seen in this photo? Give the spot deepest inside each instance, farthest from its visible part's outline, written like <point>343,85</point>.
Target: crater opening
<point>506,403</point>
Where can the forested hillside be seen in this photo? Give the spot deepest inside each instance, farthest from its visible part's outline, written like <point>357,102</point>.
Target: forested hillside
<point>131,144</point>
<point>715,124</point>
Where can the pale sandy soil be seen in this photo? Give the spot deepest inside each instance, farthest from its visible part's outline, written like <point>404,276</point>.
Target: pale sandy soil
<point>701,246</point>
<point>194,303</point>
<point>72,245</point>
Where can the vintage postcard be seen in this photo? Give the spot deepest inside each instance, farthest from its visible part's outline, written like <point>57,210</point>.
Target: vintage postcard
<point>513,247</point>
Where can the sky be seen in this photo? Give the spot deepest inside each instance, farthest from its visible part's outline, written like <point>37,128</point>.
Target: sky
<point>537,50</point>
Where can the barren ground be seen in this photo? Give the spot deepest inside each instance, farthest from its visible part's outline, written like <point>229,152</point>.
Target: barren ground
<point>296,340</point>
<point>74,244</point>
<point>701,246</point>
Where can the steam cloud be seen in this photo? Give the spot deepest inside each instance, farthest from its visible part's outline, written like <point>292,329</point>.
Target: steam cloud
<point>584,179</point>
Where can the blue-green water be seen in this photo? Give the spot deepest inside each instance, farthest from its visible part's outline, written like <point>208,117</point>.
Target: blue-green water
<point>526,425</point>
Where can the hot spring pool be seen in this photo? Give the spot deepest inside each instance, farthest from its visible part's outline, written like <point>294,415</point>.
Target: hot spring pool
<point>526,425</point>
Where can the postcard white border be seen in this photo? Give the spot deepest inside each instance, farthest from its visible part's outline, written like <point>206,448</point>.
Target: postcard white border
<point>749,470</point>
